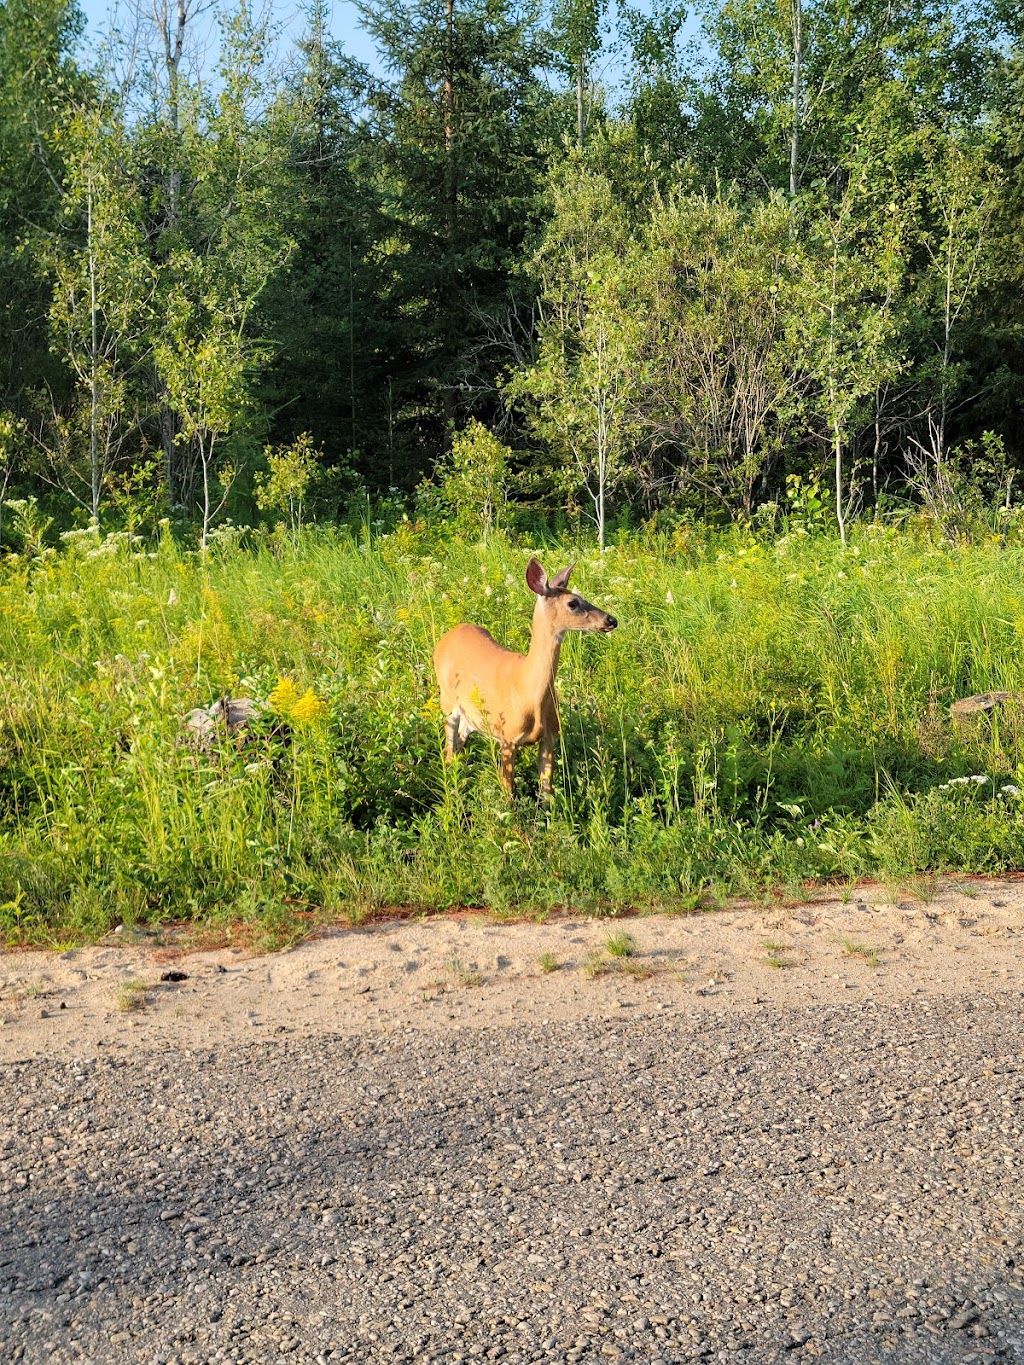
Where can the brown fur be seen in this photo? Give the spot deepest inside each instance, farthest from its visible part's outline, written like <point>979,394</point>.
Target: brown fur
<point>488,688</point>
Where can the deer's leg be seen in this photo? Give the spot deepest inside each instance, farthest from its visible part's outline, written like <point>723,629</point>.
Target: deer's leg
<point>508,767</point>
<point>454,738</point>
<point>546,762</point>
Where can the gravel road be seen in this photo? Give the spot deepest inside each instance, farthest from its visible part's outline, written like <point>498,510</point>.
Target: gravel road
<point>839,1182</point>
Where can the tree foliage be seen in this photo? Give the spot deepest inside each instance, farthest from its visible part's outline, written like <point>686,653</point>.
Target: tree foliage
<point>780,245</point>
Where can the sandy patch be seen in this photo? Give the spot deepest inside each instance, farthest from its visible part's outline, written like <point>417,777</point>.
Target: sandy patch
<point>465,973</point>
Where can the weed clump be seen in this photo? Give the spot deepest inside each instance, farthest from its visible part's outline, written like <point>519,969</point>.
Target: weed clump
<point>863,951</point>
<point>618,954</point>
<point>131,996</point>
<point>620,945</point>
<point>463,975</point>
<point>775,954</point>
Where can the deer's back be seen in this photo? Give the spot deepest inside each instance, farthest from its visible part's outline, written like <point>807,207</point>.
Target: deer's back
<point>478,675</point>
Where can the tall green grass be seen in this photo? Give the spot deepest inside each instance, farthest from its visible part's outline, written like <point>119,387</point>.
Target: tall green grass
<point>769,712</point>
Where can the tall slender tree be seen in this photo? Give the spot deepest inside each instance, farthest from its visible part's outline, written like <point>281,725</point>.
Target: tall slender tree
<point>103,284</point>
<point>853,268</point>
<point>39,76</point>
<point>576,26</point>
<point>454,140</point>
<point>217,158</point>
<point>327,378</point>
<point>787,88</point>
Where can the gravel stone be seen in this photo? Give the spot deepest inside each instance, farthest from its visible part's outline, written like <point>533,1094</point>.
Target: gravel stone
<point>838,1183</point>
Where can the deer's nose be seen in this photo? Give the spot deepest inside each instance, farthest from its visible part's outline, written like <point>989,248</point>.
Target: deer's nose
<point>610,623</point>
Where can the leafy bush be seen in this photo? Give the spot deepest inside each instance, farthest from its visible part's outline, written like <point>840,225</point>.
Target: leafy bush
<point>471,483</point>
<point>971,824</point>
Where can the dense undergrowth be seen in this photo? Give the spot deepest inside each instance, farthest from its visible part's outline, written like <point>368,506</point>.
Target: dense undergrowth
<point>769,712</point>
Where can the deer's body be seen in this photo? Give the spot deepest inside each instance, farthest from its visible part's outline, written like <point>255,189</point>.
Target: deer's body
<point>488,688</point>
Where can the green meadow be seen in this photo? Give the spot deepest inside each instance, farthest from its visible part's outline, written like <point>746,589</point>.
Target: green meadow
<point>773,712</point>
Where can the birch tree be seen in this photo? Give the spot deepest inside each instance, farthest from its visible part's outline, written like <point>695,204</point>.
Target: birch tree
<point>577,34</point>
<point>219,221</point>
<point>852,272</point>
<point>205,371</point>
<point>578,394</point>
<point>103,287</point>
<point>960,198</point>
<point>583,391</point>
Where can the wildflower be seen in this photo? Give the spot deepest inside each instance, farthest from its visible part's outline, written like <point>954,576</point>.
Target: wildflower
<point>285,700</point>
<point>308,708</point>
<point>1009,787</point>
<point>88,534</point>
<point>283,697</point>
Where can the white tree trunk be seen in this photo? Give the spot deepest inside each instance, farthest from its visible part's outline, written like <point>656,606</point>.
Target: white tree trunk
<point>794,140</point>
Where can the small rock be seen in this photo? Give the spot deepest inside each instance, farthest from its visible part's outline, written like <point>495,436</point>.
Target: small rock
<point>964,1319</point>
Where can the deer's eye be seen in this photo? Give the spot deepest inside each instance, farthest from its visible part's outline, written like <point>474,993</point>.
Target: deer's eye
<point>574,604</point>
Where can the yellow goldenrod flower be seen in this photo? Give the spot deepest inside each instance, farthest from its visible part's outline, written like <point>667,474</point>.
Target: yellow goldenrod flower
<point>285,701</point>
<point>283,697</point>
<point>308,708</point>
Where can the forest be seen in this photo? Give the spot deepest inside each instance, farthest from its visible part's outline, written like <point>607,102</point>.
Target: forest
<point>539,264</point>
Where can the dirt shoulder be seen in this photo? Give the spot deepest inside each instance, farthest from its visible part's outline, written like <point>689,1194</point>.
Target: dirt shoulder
<point>447,974</point>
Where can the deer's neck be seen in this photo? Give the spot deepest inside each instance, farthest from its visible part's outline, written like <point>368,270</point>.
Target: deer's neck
<point>542,660</point>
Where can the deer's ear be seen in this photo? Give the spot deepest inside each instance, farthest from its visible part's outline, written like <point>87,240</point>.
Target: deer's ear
<point>536,578</point>
<point>561,579</point>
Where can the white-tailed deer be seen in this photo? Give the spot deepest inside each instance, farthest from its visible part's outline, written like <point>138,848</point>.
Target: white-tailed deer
<point>511,696</point>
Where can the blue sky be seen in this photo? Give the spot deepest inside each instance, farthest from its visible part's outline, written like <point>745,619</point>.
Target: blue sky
<point>290,15</point>
<point>344,23</point>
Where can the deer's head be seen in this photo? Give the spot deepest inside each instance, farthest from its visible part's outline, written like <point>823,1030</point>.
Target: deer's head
<point>561,608</point>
